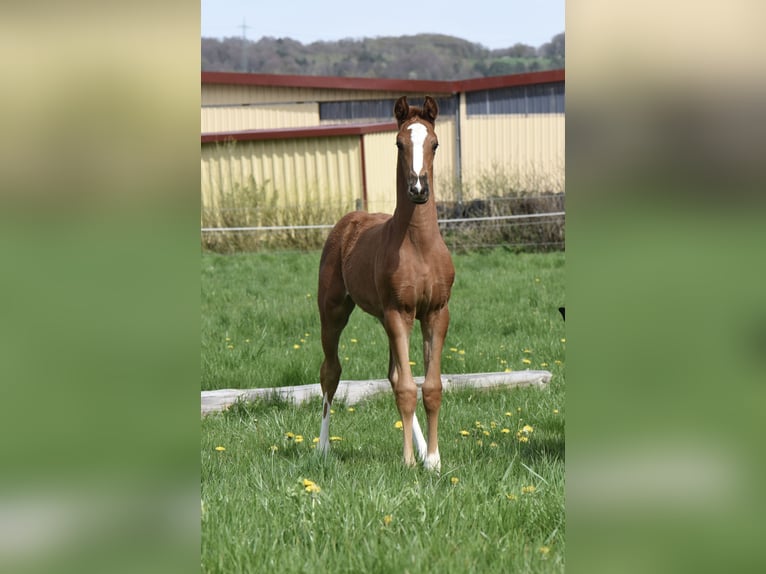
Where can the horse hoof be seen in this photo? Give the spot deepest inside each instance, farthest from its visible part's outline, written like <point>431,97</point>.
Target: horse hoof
<point>433,463</point>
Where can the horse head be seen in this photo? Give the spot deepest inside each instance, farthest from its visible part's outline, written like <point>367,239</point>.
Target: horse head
<point>417,143</point>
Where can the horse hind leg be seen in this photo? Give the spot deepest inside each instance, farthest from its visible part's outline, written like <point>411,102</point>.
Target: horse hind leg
<point>334,313</point>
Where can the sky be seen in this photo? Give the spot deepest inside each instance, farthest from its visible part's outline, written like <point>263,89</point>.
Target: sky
<point>491,23</point>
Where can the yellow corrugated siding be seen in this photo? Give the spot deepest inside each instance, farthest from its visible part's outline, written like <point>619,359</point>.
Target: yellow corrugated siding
<point>318,174</point>
<point>237,118</point>
<point>326,172</point>
<point>380,171</point>
<point>529,149</point>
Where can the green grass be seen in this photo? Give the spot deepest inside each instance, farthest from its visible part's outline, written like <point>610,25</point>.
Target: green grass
<point>257,515</point>
<point>372,514</point>
<point>260,324</point>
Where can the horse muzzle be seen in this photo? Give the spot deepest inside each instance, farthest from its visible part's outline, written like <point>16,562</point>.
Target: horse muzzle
<point>417,189</point>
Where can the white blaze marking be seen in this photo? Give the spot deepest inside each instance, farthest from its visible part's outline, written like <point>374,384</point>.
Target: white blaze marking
<point>418,133</point>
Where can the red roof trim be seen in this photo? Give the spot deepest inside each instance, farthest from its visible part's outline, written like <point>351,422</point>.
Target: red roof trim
<point>493,82</point>
<point>327,82</point>
<point>290,133</point>
<point>382,84</point>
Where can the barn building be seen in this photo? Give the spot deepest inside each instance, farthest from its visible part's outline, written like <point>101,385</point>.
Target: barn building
<point>328,142</point>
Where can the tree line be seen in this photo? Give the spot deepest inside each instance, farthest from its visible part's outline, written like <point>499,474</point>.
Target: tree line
<point>417,57</point>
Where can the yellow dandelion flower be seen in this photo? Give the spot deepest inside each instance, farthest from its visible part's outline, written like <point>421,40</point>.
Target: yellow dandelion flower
<point>511,497</point>
<point>351,409</point>
<point>313,489</point>
<point>332,411</point>
<point>485,433</point>
<point>412,363</point>
<point>543,364</point>
<point>398,424</point>
<point>461,352</point>
<point>387,519</point>
<point>528,489</point>
<point>454,480</point>
<point>303,340</point>
<point>247,340</point>
<point>220,448</point>
<point>298,438</point>
<point>563,340</point>
<point>229,346</point>
<point>555,411</point>
<point>526,361</point>
<point>228,338</point>
<point>453,349</point>
<point>492,425</point>
<point>523,438</point>
<point>518,409</point>
<point>354,340</point>
<point>509,414</point>
<point>464,433</point>
<point>527,351</point>
<point>544,550</point>
<point>296,346</point>
<point>527,429</point>
<point>493,444</point>
<point>315,439</point>
<point>290,435</point>
<point>505,431</point>
<point>557,362</point>
<point>478,424</point>
<point>335,438</point>
<point>274,448</point>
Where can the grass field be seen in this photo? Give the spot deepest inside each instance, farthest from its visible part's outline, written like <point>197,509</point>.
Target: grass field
<point>270,504</point>
<point>260,324</point>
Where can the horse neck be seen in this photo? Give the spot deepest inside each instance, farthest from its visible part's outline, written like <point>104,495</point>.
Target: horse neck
<point>410,217</point>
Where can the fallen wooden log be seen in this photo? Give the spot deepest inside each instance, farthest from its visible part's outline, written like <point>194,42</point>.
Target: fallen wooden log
<point>351,392</point>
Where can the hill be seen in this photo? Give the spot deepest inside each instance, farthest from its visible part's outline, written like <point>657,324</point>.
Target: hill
<point>421,56</point>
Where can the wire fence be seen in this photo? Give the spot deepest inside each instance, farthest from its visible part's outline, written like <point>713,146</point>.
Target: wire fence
<point>523,232</point>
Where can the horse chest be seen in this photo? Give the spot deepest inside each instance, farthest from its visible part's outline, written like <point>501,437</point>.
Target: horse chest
<point>418,286</point>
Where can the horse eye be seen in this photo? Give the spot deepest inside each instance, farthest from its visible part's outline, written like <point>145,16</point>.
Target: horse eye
<point>399,144</point>
<point>435,146</point>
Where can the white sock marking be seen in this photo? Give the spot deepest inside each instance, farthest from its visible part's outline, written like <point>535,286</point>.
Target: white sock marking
<point>324,433</point>
<point>419,439</point>
<point>433,462</point>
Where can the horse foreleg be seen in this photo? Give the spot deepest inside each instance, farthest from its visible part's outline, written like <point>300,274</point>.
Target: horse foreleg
<point>417,433</point>
<point>398,327</point>
<point>434,328</point>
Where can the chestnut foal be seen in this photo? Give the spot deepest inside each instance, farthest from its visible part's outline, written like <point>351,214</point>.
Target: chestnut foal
<point>398,269</point>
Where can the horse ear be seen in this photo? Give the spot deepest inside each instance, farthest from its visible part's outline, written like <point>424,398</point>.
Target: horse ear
<point>430,109</point>
<point>401,109</point>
